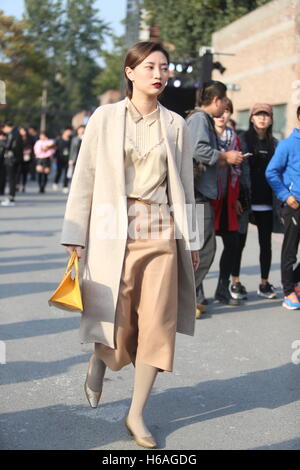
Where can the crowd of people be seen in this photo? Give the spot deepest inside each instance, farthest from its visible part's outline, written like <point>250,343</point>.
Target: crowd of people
<point>25,154</point>
<point>237,182</point>
<point>234,179</point>
<point>139,292</point>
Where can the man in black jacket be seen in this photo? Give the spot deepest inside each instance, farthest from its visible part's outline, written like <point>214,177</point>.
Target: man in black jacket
<point>13,155</point>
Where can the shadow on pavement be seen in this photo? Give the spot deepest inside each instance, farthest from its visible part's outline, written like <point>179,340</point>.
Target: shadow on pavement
<point>41,257</point>
<point>27,371</point>
<point>24,268</point>
<point>292,444</point>
<point>253,303</point>
<point>31,233</point>
<point>80,427</point>
<point>246,270</point>
<point>13,248</point>
<point>47,217</point>
<point>26,288</point>
<point>36,201</point>
<point>41,327</point>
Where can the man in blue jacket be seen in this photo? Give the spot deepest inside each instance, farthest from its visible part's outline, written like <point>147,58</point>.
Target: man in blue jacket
<point>283,175</point>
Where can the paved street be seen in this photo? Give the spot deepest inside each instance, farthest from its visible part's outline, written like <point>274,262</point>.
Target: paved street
<point>234,384</point>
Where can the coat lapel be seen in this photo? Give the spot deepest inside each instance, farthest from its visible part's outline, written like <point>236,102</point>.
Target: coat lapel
<point>169,131</point>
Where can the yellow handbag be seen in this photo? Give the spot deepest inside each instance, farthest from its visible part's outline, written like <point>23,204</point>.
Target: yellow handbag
<point>67,296</point>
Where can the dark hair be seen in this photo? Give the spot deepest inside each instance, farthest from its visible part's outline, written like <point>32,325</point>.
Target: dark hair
<point>44,133</point>
<point>137,54</point>
<point>27,135</point>
<point>210,90</point>
<point>8,123</point>
<point>298,111</point>
<point>252,139</point>
<point>233,123</point>
<point>229,105</point>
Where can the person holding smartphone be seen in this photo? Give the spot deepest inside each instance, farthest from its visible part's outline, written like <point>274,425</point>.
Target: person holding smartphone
<point>211,103</point>
<point>258,140</point>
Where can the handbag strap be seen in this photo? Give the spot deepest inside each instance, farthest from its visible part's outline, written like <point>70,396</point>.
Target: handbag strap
<point>73,260</point>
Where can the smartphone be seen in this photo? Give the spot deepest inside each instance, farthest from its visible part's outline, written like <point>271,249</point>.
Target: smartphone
<point>248,154</point>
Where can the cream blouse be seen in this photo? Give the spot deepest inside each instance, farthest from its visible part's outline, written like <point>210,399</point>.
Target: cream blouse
<point>145,156</point>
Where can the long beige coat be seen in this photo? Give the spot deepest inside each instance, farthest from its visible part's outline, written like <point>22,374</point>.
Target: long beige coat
<point>96,217</point>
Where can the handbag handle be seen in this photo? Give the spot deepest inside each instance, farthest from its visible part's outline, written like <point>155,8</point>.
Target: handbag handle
<point>73,260</point>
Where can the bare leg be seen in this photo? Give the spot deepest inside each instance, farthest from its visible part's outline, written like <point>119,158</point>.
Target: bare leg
<point>144,379</point>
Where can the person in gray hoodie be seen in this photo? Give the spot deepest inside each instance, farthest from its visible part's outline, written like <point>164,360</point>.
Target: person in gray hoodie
<point>207,157</point>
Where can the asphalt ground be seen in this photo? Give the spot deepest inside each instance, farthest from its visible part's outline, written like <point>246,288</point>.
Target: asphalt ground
<point>235,384</point>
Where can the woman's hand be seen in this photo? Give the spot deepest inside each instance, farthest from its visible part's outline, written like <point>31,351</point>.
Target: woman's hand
<point>195,259</point>
<point>78,249</point>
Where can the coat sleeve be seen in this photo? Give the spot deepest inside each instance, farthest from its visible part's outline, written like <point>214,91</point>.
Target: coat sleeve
<point>187,180</point>
<point>78,208</point>
<point>275,170</point>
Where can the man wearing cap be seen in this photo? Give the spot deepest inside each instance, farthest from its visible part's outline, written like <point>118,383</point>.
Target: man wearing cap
<point>283,175</point>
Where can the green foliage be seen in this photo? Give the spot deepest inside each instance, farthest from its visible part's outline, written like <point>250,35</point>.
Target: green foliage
<point>83,38</point>
<point>111,74</point>
<point>22,68</point>
<point>58,43</point>
<point>189,25</point>
<point>44,25</point>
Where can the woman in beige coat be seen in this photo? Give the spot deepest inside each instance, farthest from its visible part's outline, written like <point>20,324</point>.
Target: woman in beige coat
<point>131,218</point>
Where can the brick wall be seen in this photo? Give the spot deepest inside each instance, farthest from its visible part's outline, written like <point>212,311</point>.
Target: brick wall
<point>266,64</point>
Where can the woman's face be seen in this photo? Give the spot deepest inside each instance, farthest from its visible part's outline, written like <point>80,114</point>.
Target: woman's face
<point>222,121</point>
<point>261,120</point>
<point>151,75</point>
